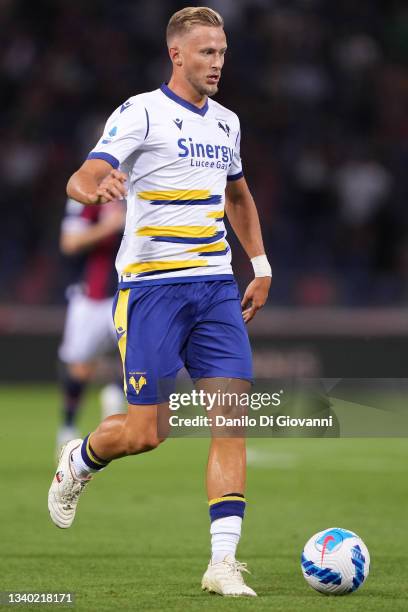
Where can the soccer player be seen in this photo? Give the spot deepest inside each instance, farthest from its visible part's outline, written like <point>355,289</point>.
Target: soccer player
<point>178,303</point>
<point>94,233</point>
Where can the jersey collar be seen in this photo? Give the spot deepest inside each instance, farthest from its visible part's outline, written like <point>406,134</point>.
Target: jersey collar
<point>192,107</point>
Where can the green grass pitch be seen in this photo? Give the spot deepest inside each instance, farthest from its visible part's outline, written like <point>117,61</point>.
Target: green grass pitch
<point>140,540</point>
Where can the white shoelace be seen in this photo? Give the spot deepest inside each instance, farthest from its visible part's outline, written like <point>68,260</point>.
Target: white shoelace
<point>236,568</point>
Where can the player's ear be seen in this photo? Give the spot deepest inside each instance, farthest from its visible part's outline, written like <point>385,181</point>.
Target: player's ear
<point>175,55</point>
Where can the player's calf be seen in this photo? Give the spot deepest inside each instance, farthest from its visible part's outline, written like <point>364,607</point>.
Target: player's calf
<point>123,435</point>
<point>141,442</point>
<point>117,436</point>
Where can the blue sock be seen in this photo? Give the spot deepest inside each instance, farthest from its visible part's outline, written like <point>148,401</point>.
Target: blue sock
<point>231,504</point>
<point>90,458</point>
<point>226,515</point>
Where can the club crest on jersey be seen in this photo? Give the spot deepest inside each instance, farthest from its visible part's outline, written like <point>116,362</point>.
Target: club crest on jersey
<point>179,123</point>
<point>59,476</point>
<point>225,127</point>
<point>137,384</point>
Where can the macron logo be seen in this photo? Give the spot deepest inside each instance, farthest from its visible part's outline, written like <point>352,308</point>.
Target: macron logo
<point>179,123</point>
<point>125,106</point>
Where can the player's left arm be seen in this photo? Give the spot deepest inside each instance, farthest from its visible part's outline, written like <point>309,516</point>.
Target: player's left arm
<point>243,216</point>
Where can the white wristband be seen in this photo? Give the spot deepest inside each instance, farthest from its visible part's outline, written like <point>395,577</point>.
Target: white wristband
<point>261,266</point>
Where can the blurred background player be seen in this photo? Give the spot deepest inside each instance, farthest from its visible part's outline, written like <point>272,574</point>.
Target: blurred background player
<point>93,233</point>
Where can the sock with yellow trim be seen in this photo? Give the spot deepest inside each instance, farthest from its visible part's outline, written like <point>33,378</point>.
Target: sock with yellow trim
<point>85,461</point>
<point>226,514</point>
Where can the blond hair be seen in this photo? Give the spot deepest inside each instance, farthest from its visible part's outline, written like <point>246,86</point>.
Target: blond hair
<point>182,21</point>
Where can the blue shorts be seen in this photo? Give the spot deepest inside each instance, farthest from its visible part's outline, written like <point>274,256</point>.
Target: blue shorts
<point>161,328</point>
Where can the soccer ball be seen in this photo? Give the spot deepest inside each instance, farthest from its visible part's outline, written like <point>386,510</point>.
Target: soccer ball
<point>335,561</point>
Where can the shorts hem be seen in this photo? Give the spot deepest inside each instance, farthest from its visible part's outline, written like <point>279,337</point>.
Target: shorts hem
<point>223,374</point>
<point>147,402</point>
<point>211,374</point>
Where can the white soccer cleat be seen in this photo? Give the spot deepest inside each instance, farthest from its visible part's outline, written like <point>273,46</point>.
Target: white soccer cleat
<point>65,488</point>
<point>225,578</point>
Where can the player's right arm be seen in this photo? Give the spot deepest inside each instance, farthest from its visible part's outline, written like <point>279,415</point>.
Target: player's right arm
<point>99,179</point>
<point>96,182</point>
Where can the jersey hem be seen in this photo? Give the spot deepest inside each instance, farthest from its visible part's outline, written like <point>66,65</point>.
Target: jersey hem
<point>175,280</point>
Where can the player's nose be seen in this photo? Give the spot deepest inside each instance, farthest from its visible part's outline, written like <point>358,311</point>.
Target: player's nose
<point>218,61</point>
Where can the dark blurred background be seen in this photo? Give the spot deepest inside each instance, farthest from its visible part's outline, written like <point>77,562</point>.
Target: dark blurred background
<point>322,92</point>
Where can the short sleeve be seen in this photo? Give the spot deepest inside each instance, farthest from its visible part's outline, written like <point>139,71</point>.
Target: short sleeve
<point>235,170</point>
<point>125,131</point>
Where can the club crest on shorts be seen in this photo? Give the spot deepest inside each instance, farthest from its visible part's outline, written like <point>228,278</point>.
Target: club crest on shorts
<point>137,384</point>
<point>59,476</point>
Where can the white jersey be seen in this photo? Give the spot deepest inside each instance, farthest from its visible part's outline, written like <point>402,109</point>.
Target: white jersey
<point>178,158</point>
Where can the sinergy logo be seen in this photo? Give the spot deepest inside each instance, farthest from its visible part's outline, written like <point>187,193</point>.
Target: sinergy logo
<point>221,156</point>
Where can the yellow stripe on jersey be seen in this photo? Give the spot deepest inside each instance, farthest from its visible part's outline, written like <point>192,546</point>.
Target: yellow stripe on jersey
<point>217,214</point>
<point>152,266</point>
<point>209,248</point>
<point>183,194</point>
<point>217,500</point>
<point>178,231</point>
<point>120,321</point>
